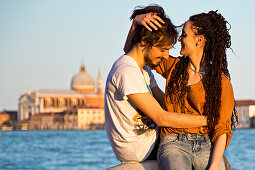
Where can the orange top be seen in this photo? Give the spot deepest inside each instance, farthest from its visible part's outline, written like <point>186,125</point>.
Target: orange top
<point>195,101</point>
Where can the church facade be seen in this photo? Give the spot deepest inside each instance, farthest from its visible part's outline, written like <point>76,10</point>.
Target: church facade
<point>83,93</point>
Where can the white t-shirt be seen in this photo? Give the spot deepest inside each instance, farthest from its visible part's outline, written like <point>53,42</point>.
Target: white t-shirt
<point>131,139</point>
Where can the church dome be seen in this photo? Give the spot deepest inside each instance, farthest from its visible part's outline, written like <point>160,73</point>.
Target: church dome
<point>82,80</point>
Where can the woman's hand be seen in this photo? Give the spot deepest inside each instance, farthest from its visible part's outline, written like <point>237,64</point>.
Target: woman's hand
<point>149,21</point>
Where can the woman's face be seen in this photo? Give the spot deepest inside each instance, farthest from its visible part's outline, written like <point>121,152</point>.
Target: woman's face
<point>188,40</point>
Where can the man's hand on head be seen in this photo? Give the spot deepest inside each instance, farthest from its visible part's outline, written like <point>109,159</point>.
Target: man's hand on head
<point>149,21</point>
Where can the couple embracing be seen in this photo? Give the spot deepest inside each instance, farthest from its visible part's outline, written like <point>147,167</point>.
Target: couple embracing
<point>188,126</point>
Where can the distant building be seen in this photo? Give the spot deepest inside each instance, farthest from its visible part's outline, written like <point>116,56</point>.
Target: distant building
<point>91,118</point>
<point>46,121</point>
<point>8,119</point>
<point>79,118</point>
<point>246,113</point>
<point>34,105</point>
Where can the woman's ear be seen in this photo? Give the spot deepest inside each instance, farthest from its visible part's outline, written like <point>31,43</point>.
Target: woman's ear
<point>200,40</point>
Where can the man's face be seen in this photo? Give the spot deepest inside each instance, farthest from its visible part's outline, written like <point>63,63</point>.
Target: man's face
<point>155,55</point>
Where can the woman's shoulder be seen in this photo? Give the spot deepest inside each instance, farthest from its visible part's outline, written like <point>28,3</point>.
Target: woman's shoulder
<point>174,59</point>
<point>225,78</point>
<point>166,65</point>
<point>170,61</point>
<point>225,82</point>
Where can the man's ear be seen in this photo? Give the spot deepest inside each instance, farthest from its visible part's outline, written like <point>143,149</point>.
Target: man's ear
<point>143,41</point>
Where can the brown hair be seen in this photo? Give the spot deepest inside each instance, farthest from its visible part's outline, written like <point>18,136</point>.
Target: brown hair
<point>165,35</point>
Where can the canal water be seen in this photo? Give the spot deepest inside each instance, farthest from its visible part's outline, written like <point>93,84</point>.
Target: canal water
<point>91,150</point>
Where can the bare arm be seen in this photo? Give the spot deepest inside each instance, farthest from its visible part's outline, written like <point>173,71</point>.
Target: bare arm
<point>149,106</point>
<point>148,20</point>
<point>158,94</point>
<point>128,43</point>
<point>219,147</point>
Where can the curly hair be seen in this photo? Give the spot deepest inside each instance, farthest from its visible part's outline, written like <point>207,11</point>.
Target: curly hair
<point>213,27</point>
<point>163,36</point>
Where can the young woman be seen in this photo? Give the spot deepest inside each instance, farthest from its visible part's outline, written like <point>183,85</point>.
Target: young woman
<point>198,83</point>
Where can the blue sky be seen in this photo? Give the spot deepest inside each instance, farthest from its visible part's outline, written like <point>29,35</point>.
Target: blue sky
<point>43,42</point>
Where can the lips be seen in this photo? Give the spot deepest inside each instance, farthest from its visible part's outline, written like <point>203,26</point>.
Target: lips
<point>158,60</point>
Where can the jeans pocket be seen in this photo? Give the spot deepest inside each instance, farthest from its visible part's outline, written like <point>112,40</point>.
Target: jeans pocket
<point>166,141</point>
<point>168,138</point>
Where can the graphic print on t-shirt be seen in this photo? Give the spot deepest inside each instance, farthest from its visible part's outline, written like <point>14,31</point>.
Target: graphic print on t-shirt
<point>143,124</point>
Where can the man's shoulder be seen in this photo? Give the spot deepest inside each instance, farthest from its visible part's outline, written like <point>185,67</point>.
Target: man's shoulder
<point>124,64</point>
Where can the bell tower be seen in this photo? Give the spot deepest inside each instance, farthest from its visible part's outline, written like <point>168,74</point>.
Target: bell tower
<point>99,84</point>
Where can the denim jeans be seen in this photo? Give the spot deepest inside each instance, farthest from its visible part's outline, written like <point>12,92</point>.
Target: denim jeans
<point>185,152</point>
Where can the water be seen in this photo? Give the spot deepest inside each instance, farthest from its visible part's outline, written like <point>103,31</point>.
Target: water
<point>241,151</point>
<point>55,150</point>
<point>91,150</point>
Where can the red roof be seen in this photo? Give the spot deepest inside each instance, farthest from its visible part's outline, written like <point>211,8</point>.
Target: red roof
<point>245,102</point>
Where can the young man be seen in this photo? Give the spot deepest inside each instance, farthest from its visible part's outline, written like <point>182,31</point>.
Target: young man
<point>131,91</point>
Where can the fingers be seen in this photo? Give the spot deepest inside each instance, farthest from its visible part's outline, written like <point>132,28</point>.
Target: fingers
<point>155,22</point>
<point>146,26</point>
<point>152,21</point>
<point>149,21</point>
<point>158,18</point>
<point>149,24</point>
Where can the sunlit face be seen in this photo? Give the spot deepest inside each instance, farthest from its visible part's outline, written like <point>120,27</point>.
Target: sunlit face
<point>155,55</point>
<point>188,40</point>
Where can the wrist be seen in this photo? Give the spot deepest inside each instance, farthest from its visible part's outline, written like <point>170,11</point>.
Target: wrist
<point>214,166</point>
<point>135,23</point>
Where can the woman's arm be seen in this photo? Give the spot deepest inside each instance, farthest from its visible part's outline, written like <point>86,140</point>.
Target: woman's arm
<point>148,20</point>
<point>219,147</point>
<point>222,130</point>
<point>224,121</point>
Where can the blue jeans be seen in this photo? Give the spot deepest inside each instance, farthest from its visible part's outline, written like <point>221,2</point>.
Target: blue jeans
<point>185,152</point>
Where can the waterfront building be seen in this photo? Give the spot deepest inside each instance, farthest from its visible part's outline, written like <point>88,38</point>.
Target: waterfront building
<point>90,118</point>
<point>54,103</point>
<point>4,118</point>
<point>78,118</point>
<point>46,121</point>
<point>8,119</point>
<point>246,113</point>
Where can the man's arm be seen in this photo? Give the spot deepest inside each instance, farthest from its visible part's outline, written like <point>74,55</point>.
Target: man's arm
<point>148,20</point>
<point>128,43</point>
<point>149,106</point>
